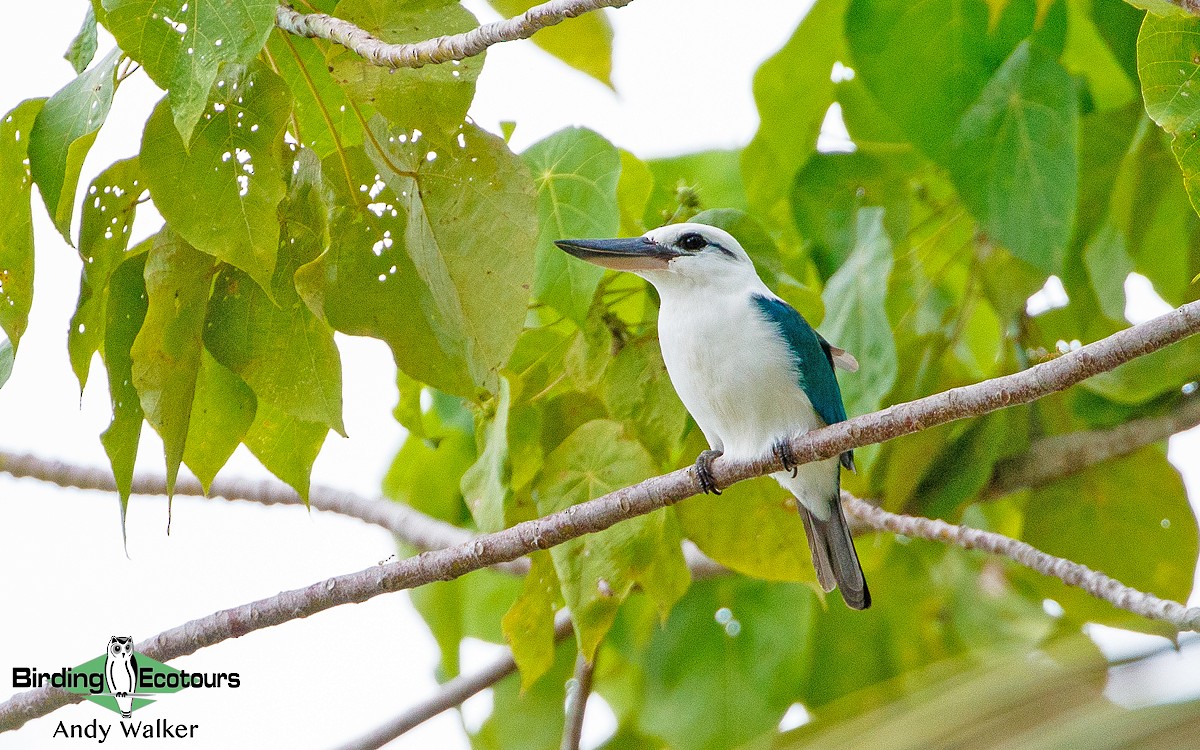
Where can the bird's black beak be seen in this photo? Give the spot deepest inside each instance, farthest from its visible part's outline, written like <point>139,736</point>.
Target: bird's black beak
<point>628,254</point>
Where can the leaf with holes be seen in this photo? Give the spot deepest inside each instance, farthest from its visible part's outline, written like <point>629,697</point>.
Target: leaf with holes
<point>433,97</point>
<point>108,211</point>
<point>182,43</point>
<point>1168,63</point>
<point>63,134</point>
<point>16,220</point>
<point>220,191</point>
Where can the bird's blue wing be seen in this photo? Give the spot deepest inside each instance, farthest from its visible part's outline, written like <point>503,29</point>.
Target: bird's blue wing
<point>814,362</point>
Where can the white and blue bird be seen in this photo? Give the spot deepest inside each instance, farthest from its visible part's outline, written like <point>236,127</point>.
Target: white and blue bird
<point>751,371</point>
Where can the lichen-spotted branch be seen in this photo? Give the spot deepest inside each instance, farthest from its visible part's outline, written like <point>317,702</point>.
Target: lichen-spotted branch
<point>440,49</point>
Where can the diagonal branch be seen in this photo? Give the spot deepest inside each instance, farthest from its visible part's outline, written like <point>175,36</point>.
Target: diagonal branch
<point>1071,573</point>
<point>442,49</point>
<point>644,497</point>
<point>1059,456</point>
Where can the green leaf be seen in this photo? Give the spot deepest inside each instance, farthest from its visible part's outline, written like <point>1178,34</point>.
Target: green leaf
<point>576,172</point>
<point>1014,160</point>
<point>222,412</point>
<point>1088,55</point>
<point>529,624</point>
<point>924,87</point>
<point>124,313</point>
<point>283,352</point>
<point>633,193</point>
<point>470,234</point>
<point>63,134</point>
<point>16,220</point>
<point>220,191</point>
<point>324,117</point>
<point>1161,8</point>
<point>752,528</point>
<point>793,90</point>
<point>6,361</point>
<point>728,663</point>
<point>285,445</point>
<point>166,353</point>
<point>430,98</point>
<point>181,46</point>
<point>486,485</point>
<point>855,318</point>
<point>583,42</point>
<point>638,391</point>
<point>83,46</point>
<point>1099,515</point>
<point>108,212</point>
<point>598,571</point>
<point>1168,62</point>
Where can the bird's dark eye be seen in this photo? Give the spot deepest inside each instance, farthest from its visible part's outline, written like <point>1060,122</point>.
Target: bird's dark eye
<point>691,242</point>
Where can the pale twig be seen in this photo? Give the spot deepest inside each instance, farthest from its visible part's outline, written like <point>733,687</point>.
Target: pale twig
<point>1058,456</point>
<point>443,48</point>
<point>639,499</point>
<point>577,698</point>
<point>452,694</point>
<point>1071,573</point>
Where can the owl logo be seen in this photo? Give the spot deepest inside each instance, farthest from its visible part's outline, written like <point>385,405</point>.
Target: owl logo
<point>120,668</point>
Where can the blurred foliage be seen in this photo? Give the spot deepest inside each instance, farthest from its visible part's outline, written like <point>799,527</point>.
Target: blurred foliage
<point>305,192</point>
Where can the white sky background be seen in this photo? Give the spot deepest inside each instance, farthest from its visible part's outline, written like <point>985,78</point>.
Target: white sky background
<point>67,585</point>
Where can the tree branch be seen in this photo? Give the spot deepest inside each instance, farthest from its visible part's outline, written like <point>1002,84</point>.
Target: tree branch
<point>577,698</point>
<point>1071,573</point>
<point>443,48</point>
<point>644,497</point>
<point>1058,456</point>
<point>452,694</point>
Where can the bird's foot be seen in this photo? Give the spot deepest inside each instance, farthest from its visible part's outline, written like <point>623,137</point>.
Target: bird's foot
<point>704,471</point>
<point>783,451</point>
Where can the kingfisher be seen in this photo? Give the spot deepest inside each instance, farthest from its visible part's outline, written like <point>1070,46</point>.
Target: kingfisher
<point>750,370</point>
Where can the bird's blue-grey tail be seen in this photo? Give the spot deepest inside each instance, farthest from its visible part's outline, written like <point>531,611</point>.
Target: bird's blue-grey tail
<point>834,556</point>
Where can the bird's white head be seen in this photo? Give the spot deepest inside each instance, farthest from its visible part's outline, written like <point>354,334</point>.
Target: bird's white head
<point>674,257</point>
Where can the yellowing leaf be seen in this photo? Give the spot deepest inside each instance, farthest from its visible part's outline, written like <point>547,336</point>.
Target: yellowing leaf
<point>583,42</point>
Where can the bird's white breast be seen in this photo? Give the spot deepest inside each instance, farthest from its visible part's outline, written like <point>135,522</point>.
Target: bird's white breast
<point>733,370</point>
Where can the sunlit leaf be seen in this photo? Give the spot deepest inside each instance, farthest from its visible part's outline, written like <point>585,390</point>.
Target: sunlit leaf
<point>576,173</point>
<point>166,353</point>
<point>108,211</point>
<point>220,189</point>
<point>83,46</point>
<point>222,412</point>
<point>286,446</point>
<point>793,90</point>
<point>182,43</point>
<point>583,42</point>
<point>325,118</point>
<point>16,220</point>
<point>529,624</point>
<point>63,134</point>
<point>433,97</point>
<point>599,570</point>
